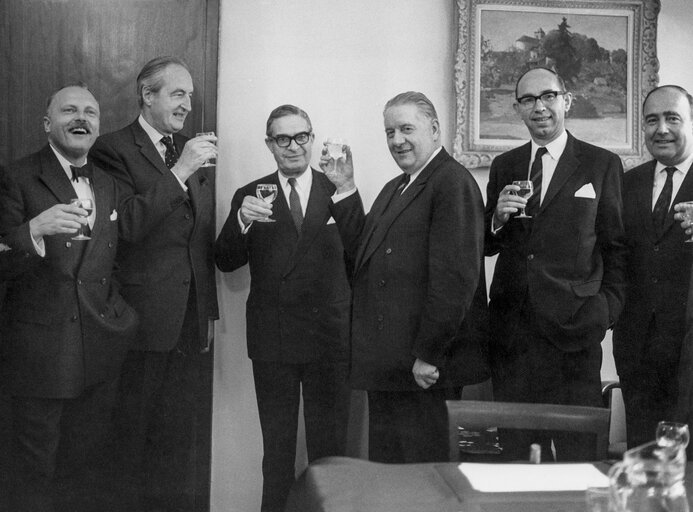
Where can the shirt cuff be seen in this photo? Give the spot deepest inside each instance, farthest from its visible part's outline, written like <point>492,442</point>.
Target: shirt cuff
<point>244,228</point>
<point>39,247</point>
<point>338,197</point>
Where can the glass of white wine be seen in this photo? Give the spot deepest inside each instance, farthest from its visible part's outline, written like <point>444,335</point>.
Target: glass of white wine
<point>268,193</point>
<point>526,190</point>
<point>210,161</point>
<point>688,215</point>
<point>671,433</point>
<point>335,148</point>
<point>88,205</point>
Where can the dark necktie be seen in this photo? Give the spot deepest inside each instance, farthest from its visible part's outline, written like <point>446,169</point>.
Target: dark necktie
<point>535,174</point>
<point>86,171</point>
<point>171,155</point>
<point>295,205</point>
<point>403,183</point>
<point>661,207</point>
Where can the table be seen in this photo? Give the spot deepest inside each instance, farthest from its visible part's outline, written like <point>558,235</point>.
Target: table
<point>342,484</point>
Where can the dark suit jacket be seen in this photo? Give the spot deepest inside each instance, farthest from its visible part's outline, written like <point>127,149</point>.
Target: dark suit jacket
<point>167,237</point>
<point>657,275</point>
<point>298,306</point>
<point>418,284</point>
<point>568,261</point>
<point>67,327</point>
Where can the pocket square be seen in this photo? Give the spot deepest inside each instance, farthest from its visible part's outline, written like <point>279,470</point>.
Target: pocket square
<point>330,220</point>
<point>586,191</point>
<point>114,216</point>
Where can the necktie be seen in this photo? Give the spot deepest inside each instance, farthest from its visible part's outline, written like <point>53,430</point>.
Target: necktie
<point>661,207</point>
<point>171,155</point>
<point>295,205</point>
<point>86,171</point>
<point>535,174</point>
<point>403,183</point>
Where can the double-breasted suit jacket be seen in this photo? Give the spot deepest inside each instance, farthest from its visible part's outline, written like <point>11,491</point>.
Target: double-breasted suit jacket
<point>567,262</point>
<point>657,274</point>
<point>66,325</point>
<point>167,237</point>
<point>299,301</point>
<point>418,282</point>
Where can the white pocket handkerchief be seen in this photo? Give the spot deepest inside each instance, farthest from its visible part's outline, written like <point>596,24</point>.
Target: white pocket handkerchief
<point>114,216</point>
<point>586,191</point>
<point>330,220</point>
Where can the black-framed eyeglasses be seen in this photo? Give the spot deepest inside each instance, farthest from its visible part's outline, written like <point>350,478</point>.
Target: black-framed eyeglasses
<point>547,98</point>
<point>284,141</point>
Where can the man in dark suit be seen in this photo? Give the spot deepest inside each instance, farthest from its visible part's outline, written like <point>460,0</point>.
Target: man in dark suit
<point>558,283</point>
<point>298,308</point>
<point>419,297</point>
<point>66,329</point>
<point>167,268</point>
<point>648,335</point>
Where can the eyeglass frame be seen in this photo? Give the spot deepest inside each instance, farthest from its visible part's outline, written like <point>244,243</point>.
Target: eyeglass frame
<point>292,138</point>
<point>536,98</point>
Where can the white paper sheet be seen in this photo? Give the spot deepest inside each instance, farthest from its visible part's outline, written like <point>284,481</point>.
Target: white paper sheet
<point>532,477</point>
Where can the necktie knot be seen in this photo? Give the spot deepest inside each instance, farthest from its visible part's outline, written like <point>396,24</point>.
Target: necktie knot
<point>171,155</point>
<point>86,171</point>
<point>670,171</point>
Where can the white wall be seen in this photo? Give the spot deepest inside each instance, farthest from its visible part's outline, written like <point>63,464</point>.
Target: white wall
<point>340,61</point>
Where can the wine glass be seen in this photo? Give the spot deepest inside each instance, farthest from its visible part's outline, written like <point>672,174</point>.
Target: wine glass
<point>526,190</point>
<point>208,162</point>
<point>335,149</point>
<point>688,215</point>
<point>670,433</point>
<point>268,193</point>
<point>88,205</point>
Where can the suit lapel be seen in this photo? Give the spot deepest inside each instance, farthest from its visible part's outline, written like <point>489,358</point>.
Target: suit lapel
<point>643,201</point>
<point>147,147</point>
<point>567,165</point>
<point>54,177</point>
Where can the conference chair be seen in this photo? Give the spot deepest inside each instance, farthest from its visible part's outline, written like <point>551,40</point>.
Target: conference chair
<point>480,416</point>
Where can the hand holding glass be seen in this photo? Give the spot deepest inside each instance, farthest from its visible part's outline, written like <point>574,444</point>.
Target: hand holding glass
<point>268,193</point>
<point>85,204</point>
<point>335,149</point>
<point>526,190</point>
<point>670,433</point>
<point>688,216</point>
<point>208,162</point>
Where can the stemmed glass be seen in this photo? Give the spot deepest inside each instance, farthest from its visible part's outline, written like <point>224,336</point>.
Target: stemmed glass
<point>208,162</point>
<point>268,193</point>
<point>526,190</point>
<point>335,149</point>
<point>688,216</point>
<point>88,205</point>
<point>670,433</point>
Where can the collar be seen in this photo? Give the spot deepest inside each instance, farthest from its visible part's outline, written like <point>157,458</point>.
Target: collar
<point>682,167</point>
<point>555,148</point>
<point>413,175</point>
<point>64,162</point>
<point>304,181</point>
<point>154,134</point>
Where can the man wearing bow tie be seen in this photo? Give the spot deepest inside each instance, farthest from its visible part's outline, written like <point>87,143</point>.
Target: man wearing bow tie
<point>167,269</point>
<point>66,328</point>
<point>558,281</point>
<point>648,336</point>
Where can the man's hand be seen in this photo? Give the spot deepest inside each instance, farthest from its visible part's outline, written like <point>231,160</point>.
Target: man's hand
<point>425,374</point>
<point>254,209</point>
<point>508,203</point>
<point>686,220</point>
<point>58,219</point>
<point>339,172</point>
<point>195,152</point>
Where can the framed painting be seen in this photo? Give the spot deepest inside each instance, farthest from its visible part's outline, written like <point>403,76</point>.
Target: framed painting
<point>605,50</point>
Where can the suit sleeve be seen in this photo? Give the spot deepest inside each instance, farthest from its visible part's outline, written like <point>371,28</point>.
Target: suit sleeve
<point>140,211</point>
<point>231,247</point>
<point>493,241</point>
<point>456,245</point>
<point>350,218</point>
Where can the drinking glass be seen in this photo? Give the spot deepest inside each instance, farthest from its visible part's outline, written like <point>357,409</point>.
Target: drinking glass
<point>268,193</point>
<point>670,433</point>
<point>85,204</point>
<point>688,215</point>
<point>526,190</point>
<point>334,147</point>
<point>208,162</point>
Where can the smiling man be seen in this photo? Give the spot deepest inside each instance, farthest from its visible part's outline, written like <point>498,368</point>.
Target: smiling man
<point>65,329</point>
<point>166,267</point>
<point>648,336</point>
<point>558,284</point>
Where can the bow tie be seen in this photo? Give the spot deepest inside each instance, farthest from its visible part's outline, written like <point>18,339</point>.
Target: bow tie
<point>86,171</point>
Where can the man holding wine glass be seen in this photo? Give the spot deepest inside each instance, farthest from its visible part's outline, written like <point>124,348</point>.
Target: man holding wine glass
<point>66,329</point>
<point>285,227</point>
<point>558,283</point>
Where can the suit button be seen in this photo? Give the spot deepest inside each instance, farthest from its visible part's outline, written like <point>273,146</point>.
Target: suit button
<point>381,283</point>
<point>186,281</point>
<point>68,244</point>
<point>381,318</point>
<point>656,248</point>
<point>388,251</point>
<point>188,216</point>
<point>103,280</point>
<point>530,257</point>
<point>79,281</point>
<point>102,315</point>
<point>110,244</point>
<point>73,318</point>
<point>655,280</point>
<point>315,310</point>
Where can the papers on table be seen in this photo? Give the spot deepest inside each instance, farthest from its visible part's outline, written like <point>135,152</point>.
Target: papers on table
<point>532,477</point>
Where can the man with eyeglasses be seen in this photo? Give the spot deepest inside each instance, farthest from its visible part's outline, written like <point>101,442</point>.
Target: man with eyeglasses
<point>558,283</point>
<point>298,308</point>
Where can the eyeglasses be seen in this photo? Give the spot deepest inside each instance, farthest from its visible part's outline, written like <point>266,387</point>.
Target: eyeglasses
<point>284,141</point>
<point>547,98</point>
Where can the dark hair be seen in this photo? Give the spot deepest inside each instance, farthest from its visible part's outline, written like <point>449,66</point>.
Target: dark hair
<point>283,111</point>
<point>150,76</point>
<point>678,88</point>
<point>419,99</point>
<point>78,83</point>
<point>561,82</point>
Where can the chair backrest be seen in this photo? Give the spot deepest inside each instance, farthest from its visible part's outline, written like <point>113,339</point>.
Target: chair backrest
<point>479,415</point>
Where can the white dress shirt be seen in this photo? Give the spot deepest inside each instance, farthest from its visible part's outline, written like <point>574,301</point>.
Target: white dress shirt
<point>660,177</point>
<point>549,161</point>
<point>156,136</point>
